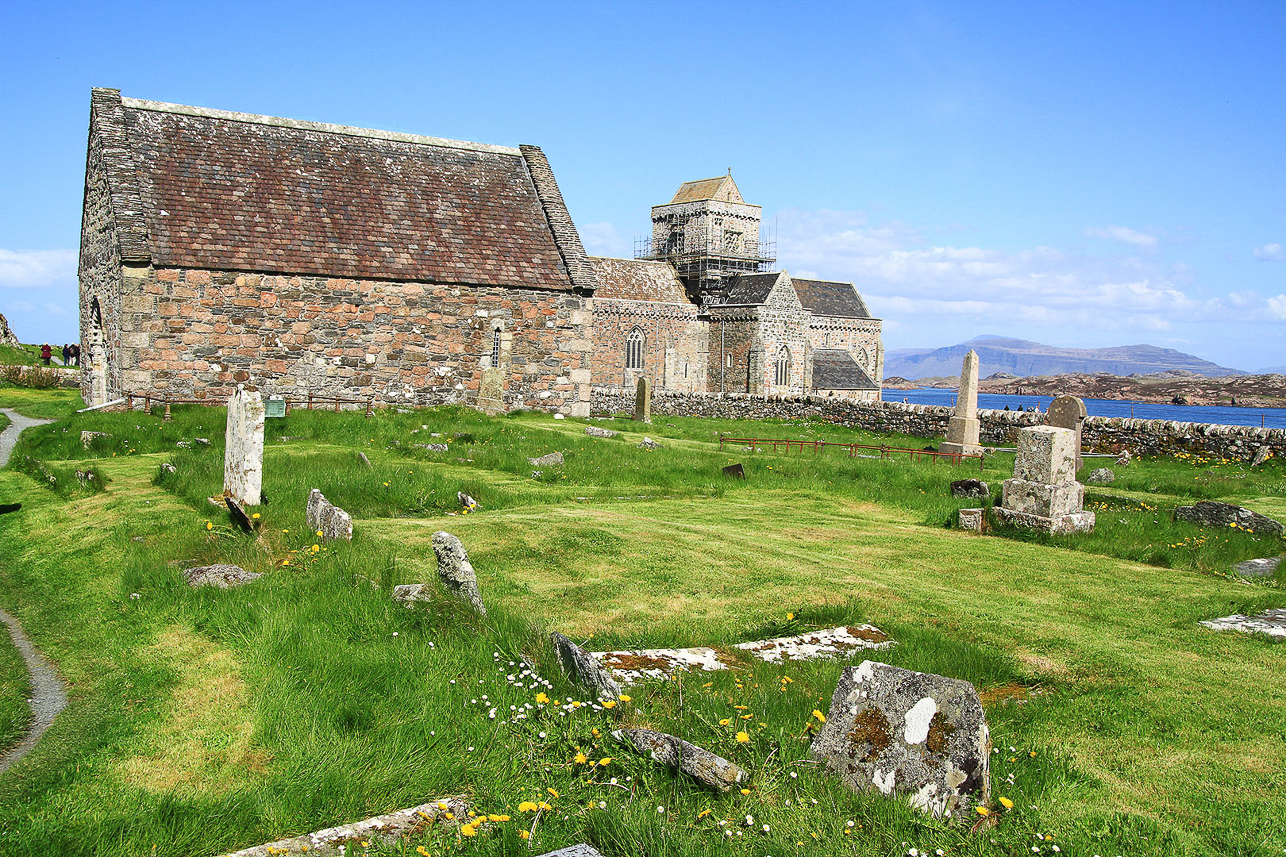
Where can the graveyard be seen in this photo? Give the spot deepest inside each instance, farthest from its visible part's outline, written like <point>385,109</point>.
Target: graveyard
<point>345,679</point>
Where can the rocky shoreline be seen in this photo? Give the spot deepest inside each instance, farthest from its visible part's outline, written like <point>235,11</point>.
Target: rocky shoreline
<point>1175,387</point>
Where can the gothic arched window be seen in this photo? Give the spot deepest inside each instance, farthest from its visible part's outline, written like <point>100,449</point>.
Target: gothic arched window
<point>634,349</point>
<point>783,367</point>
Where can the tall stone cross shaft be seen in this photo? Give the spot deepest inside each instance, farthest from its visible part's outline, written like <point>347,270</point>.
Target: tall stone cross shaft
<point>243,450</point>
<point>963,429</point>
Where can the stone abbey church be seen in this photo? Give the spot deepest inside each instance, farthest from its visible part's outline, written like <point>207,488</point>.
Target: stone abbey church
<point>303,258</point>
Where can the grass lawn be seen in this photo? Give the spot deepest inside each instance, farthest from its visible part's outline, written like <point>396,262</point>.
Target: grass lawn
<point>204,721</point>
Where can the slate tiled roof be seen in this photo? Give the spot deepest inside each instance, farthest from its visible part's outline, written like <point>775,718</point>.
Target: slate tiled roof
<point>822,297</point>
<point>228,191</point>
<point>722,188</point>
<point>835,369</point>
<point>637,280</point>
<point>752,289</point>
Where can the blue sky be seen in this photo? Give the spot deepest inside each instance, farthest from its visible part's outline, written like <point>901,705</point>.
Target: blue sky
<point>1086,174</point>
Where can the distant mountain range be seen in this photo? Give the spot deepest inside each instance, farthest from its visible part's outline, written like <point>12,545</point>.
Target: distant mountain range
<point>1023,358</point>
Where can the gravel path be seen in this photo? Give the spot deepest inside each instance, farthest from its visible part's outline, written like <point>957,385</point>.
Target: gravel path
<point>9,437</point>
<point>48,695</point>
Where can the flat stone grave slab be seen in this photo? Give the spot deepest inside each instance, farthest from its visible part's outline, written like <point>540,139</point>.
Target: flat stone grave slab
<point>830,643</point>
<point>1272,622</point>
<point>1265,567</point>
<point>631,667</point>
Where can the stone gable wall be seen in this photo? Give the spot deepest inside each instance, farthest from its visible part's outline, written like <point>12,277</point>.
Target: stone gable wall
<point>998,428</point>
<point>190,332</point>
<point>783,321</point>
<point>860,337</point>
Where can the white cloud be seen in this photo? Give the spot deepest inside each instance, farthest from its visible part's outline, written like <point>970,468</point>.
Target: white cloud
<point>603,239</point>
<point>1124,234</point>
<point>1269,253</point>
<point>26,269</point>
<point>1277,307</point>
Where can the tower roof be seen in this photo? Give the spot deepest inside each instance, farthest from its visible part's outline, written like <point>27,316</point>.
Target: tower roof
<point>722,188</point>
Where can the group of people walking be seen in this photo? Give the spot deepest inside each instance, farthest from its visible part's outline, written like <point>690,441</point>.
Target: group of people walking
<point>71,354</point>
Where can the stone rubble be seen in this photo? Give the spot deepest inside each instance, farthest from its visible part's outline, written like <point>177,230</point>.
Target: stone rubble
<point>633,666</point>
<point>1265,567</point>
<point>332,521</point>
<point>649,444</point>
<point>1102,476</point>
<point>700,764</point>
<point>917,734</point>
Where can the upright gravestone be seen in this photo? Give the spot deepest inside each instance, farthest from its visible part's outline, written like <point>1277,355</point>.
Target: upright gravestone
<point>1043,493</point>
<point>243,449</point>
<point>962,430</point>
<point>1068,412</point>
<point>643,401</point>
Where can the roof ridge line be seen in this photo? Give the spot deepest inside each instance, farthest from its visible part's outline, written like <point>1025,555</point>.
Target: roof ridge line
<point>323,127</point>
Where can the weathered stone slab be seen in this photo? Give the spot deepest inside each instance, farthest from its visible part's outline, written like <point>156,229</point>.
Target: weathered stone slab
<point>239,516</point>
<point>595,431</point>
<point>909,733</point>
<point>408,593</point>
<point>735,471</point>
<point>1064,525</point>
<point>243,447</point>
<point>648,443</point>
<point>432,447</point>
<point>963,427</point>
<point>1046,454</point>
<point>631,667</point>
<point>337,840</point>
<point>1042,498</point>
<point>972,520</point>
<point>1102,476</point>
<point>643,401</point>
<point>87,438</point>
<point>830,643</point>
<point>580,850</point>
<point>366,461</point>
<point>581,667</point>
<point>703,766</point>
<point>1208,513</point>
<point>332,521</point>
<point>1265,567</point>
<point>1271,622</point>
<point>222,575</point>
<point>466,502</point>
<point>1068,412</point>
<point>455,571</point>
<point>548,460</point>
<point>970,488</point>
<point>1262,454</point>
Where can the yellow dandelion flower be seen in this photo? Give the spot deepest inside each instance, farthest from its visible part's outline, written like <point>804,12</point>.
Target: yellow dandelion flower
<point>527,806</point>
<point>610,703</point>
<point>541,698</point>
<point>552,792</point>
<point>255,516</point>
<point>545,806</point>
<point>1032,754</point>
<point>625,697</point>
<point>703,813</point>
<point>285,562</point>
<point>468,830</point>
<point>316,548</point>
<point>821,718</point>
<point>581,759</point>
<point>595,732</point>
<point>319,532</point>
<point>1006,803</point>
<point>442,804</point>
<point>724,722</point>
<point>209,526</point>
<point>523,834</point>
<point>790,616</point>
<point>745,791</point>
<point>983,811</point>
<point>743,738</point>
<point>450,816</point>
<point>605,761</point>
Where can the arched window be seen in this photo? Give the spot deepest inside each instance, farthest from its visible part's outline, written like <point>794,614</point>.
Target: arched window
<point>495,348</point>
<point>783,367</point>
<point>634,349</point>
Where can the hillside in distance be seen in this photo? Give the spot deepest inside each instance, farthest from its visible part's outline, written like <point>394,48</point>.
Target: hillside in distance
<point>1024,358</point>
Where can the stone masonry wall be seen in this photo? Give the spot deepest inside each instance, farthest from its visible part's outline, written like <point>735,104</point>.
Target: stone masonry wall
<point>998,428</point>
<point>674,356</point>
<point>100,265</point>
<point>199,333</point>
<point>858,336</point>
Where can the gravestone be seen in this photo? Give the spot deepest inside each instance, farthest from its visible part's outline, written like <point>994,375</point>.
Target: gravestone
<point>1209,513</point>
<point>917,734</point>
<point>649,444</point>
<point>595,431</point>
<point>1265,567</point>
<point>582,668</point>
<point>239,516</point>
<point>697,762</point>
<point>971,520</point>
<point>328,519</point>
<point>220,575</point>
<point>735,471</point>
<point>1068,412</point>
<point>491,392</point>
<point>455,571</point>
<point>643,401</point>
<point>243,448</point>
<point>1043,493</point>
<point>962,430</point>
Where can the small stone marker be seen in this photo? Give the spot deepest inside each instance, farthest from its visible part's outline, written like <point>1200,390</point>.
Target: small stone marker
<point>222,575</point>
<point>1208,513</point>
<point>830,643</point>
<point>243,449</point>
<point>1271,622</point>
<point>239,516</point>
<point>579,850</point>
<point>1043,493</point>
<point>365,460</point>
<point>466,502</point>
<point>1102,476</point>
<point>581,667</point>
<point>972,520</point>
<point>700,764</point>
<point>432,447</point>
<point>337,840</point>
<point>332,521</point>
<point>649,444</point>
<point>1265,567</point>
<point>1123,459</point>
<point>912,733</point>
<point>963,428</point>
<point>547,460</point>
<point>1262,454</point>
<point>1068,412</point>
<point>643,401</point>
<point>87,438</point>
<point>491,391</point>
<point>595,431</point>
<point>735,471</point>
<point>455,571</point>
<point>970,488</point>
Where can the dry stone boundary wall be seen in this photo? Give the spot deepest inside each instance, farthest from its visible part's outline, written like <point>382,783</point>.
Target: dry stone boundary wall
<point>998,428</point>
